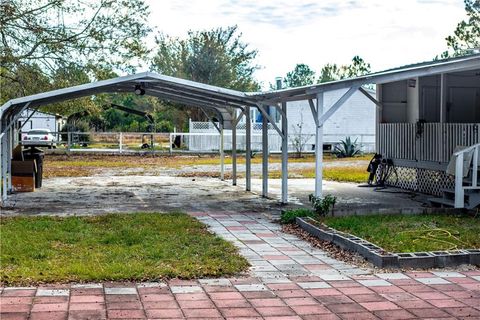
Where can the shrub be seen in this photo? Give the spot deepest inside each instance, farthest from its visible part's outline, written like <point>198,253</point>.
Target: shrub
<point>347,148</point>
<point>290,215</point>
<point>322,206</point>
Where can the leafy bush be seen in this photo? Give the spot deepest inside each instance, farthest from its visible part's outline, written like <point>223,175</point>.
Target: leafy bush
<point>290,215</point>
<point>164,126</point>
<point>347,148</point>
<point>322,206</point>
<point>78,126</point>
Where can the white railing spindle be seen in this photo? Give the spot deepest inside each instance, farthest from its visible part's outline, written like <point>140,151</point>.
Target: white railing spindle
<point>475,167</point>
<point>459,191</point>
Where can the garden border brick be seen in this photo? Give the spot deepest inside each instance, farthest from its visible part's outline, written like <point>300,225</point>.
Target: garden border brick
<point>384,259</point>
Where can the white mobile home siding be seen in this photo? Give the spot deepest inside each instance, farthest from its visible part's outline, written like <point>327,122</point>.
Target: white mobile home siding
<point>39,120</point>
<point>355,119</point>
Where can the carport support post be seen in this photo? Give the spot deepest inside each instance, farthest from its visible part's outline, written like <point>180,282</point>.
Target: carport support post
<point>284,154</point>
<point>3,151</point>
<point>248,151</point>
<point>319,147</point>
<point>264,156</point>
<point>234,151</point>
<point>9,135</point>
<point>222,153</point>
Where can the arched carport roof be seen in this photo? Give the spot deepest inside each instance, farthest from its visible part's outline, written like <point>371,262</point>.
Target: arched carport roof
<point>222,100</point>
<point>190,93</point>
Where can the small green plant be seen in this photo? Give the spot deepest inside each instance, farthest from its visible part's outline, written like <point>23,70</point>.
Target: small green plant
<point>347,148</point>
<point>290,215</point>
<point>322,206</point>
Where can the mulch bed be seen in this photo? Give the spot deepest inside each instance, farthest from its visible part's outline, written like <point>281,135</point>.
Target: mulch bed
<point>331,249</point>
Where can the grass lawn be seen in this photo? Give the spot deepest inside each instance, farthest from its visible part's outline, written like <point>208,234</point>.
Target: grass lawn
<point>137,246</point>
<point>412,233</point>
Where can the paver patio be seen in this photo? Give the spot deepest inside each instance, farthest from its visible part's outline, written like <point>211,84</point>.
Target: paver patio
<point>289,279</point>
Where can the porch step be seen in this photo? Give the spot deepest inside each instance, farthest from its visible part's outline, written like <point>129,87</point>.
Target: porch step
<point>471,198</point>
<point>442,202</point>
<point>467,190</point>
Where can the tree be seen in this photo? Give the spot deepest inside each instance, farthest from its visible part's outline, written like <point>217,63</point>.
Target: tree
<point>216,57</point>
<point>302,75</point>
<point>332,72</point>
<point>467,34</point>
<point>357,68</point>
<point>48,35</point>
<point>299,139</point>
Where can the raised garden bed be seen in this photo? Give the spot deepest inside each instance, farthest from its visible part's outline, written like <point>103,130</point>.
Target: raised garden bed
<point>382,258</point>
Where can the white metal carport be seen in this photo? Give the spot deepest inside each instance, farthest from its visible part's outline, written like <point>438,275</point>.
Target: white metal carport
<point>222,103</point>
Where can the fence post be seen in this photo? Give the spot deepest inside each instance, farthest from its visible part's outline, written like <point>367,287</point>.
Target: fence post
<point>69,141</point>
<point>121,142</point>
<point>170,147</point>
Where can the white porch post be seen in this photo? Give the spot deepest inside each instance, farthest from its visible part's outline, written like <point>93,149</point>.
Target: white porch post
<point>319,147</point>
<point>443,98</point>
<point>284,154</point>
<point>222,153</point>
<point>234,151</point>
<point>264,157</point>
<point>248,155</point>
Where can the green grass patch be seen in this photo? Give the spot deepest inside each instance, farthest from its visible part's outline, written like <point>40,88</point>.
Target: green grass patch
<point>412,233</point>
<point>290,215</point>
<point>141,246</point>
<point>357,174</point>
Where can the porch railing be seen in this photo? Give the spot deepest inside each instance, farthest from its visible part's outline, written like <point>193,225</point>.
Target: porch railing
<point>433,142</point>
<point>459,174</point>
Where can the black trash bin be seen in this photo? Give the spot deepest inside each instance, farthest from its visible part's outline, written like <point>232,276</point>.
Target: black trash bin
<point>37,155</point>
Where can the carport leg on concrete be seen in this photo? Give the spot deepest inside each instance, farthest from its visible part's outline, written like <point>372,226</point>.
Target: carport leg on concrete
<point>3,166</point>
<point>320,117</point>
<point>235,122</point>
<point>222,153</point>
<point>284,154</point>
<point>264,157</point>
<point>319,146</point>
<point>248,155</point>
<point>234,152</point>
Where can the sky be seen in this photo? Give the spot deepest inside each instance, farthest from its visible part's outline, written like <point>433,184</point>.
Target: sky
<point>385,33</point>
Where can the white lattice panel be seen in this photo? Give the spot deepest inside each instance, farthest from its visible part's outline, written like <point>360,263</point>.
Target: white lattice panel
<point>421,180</point>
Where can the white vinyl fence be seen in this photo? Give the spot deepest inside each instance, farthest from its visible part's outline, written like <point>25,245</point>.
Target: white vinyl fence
<point>203,136</point>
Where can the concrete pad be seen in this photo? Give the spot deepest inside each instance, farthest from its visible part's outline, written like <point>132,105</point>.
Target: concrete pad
<point>111,194</point>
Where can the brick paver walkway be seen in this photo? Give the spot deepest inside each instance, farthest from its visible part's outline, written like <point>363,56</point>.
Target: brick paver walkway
<point>289,279</point>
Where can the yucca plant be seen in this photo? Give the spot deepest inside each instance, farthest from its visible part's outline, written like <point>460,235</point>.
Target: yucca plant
<point>347,148</point>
